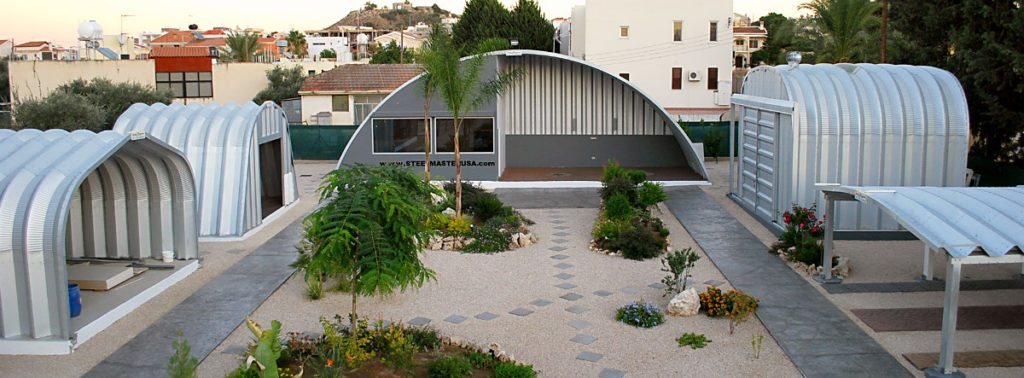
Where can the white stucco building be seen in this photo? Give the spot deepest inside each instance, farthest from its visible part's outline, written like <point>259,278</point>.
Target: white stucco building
<point>677,52</point>
<point>316,43</point>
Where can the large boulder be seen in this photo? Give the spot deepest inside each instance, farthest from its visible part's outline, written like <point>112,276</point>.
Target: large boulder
<point>684,304</point>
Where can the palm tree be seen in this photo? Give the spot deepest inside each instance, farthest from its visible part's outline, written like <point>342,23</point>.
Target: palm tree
<point>296,43</point>
<point>431,63</point>
<point>458,82</point>
<point>242,47</point>
<point>843,25</point>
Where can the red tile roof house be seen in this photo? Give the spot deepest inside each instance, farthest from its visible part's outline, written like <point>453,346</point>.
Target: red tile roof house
<point>186,71</point>
<point>35,50</point>
<point>349,92</point>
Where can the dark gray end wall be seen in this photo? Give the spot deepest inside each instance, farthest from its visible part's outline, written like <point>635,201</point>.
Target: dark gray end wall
<point>592,151</point>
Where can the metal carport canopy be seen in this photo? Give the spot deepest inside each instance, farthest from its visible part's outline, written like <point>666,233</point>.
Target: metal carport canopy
<point>971,225</point>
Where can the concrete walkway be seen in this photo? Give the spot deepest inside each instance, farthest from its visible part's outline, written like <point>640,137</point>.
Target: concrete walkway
<point>208,316</point>
<point>817,336</point>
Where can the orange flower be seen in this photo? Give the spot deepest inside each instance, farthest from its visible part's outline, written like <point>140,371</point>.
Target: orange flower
<point>348,357</point>
<point>330,362</point>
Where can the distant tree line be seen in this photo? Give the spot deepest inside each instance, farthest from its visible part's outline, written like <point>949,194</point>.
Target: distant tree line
<point>485,19</point>
<point>81,104</point>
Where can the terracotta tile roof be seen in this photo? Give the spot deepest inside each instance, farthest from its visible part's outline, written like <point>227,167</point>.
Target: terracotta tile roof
<point>214,32</point>
<point>361,78</point>
<point>179,52</point>
<point>748,30</point>
<point>33,44</point>
<point>177,36</point>
<point>216,42</point>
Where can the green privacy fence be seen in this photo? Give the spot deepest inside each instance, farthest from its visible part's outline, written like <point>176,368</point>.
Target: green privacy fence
<point>320,142</point>
<point>714,135</point>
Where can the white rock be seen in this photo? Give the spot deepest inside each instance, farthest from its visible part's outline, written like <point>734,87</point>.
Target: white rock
<point>668,249</point>
<point>456,341</point>
<point>513,245</point>
<point>457,244</point>
<point>686,303</point>
<point>449,212</point>
<point>447,246</point>
<point>435,199</point>
<point>533,238</point>
<point>524,240</point>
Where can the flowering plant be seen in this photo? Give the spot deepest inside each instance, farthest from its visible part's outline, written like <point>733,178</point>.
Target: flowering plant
<point>802,219</point>
<point>640,314</point>
<point>803,231</point>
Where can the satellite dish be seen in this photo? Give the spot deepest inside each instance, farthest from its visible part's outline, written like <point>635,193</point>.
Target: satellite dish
<point>121,39</point>
<point>90,31</point>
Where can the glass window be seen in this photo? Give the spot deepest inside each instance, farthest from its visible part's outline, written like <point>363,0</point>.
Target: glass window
<point>753,44</point>
<point>398,135</point>
<point>186,84</point>
<point>677,31</point>
<point>206,76</point>
<point>177,76</point>
<point>475,135</point>
<point>713,78</point>
<point>191,89</point>
<point>714,31</point>
<point>677,78</point>
<point>739,42</point>
<point>339,103</point>
<point>191,76</point>
<point>163,76</point>
<point>623,31</point>
<point>624,75</point>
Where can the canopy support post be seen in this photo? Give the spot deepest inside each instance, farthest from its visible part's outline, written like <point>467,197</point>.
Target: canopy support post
<point>927,274</point>
<point>732,146</point>
<point>829,247</point>
<point>949,310</point>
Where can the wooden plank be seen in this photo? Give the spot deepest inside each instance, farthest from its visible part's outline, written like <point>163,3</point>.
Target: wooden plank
<point>98,277</point>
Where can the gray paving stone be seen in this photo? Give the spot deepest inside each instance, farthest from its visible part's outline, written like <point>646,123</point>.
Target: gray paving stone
<point>548,198</point>
<point>657,285</point>
<point>560,241</point>
<point>578,323</point>
<point>603,293</point>
<point>485,316</point>
<point>564,276</point>
<point>419,321</point>
<point>455,319</point>
<point>590,356</point>
<point>571,297</point>
<point>541,302</point>
<point>583,339</point>
<point>561,227</point>
<point>563,265</point>
<point>576,309</point>
<point>561,234</point>
<point>629,290</point>
<point>557,248</point>
<point>558,221</point>
<point>611,373</point>
<point>565,285</point>
<point>235,349</point>
<point>715,282</point>
<point>560,257</point>
<point>521,311</point>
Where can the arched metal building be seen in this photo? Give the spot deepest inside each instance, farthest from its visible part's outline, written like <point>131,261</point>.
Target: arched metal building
<point>565,112</point>
<point>241,157</point>
<point>81,195</point>
<point>847,124</point>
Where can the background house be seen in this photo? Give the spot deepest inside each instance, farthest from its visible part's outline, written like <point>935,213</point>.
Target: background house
<point>347,93</point>
<point>679,53</point>
<point>747,40</point>
<point>402,39</point>
<point>34,50</point>
<point>6,47</point>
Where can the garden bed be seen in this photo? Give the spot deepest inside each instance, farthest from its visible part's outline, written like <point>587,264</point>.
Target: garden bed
<point>486,226</point>
<point>625,223</point>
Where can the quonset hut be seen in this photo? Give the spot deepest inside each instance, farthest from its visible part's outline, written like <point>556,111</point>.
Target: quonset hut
<point>845,124</point>
<point>241,156</point>
<point>565,112</point>
<point>83,195</point>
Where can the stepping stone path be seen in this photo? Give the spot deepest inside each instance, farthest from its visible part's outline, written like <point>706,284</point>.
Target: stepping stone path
<point>576,309</point>
<point>583,339</point>
<point>455,319</point>
<point>521,312</point>
<point>419,321</point>
<point>541,303</point>
<point>561,234</point>
<point>657,285</point>
<point>557,248</point>
<point>629,290</point>
<point>611,373</point>
<point>565,285</point>
<point>559,257</point>
<point>578,324</point>
<point>564,276</point>
<point>571,297</point>
<point>603,293</point>
<point>563,266</point>
<point>561,228</point>
<point>485,316</point>
<point>590,356</point>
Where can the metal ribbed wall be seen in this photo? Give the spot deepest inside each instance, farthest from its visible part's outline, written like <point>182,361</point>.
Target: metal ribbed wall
<point>856,124</point>
<point>221,143</point>
<point>82,194</point>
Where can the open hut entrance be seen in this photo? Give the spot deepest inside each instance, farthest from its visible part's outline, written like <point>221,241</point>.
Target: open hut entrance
<point>581,158</point>
<point>271,193</point>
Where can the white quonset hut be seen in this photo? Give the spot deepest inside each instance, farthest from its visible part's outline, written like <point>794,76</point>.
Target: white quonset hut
<point>82,195</point>
<point>241,156</point>
<point>846,124</point>
<point>565,112</point>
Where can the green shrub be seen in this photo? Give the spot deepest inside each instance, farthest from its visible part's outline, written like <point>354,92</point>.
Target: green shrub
<point>60,110</point>
<point>636,177</point>
<point>488,240</point>
<point>470,192</point>
<point>449,367</point>
<point>479,359</point>
<point>619,185</point>
<point>458,226</point>
<point>612,171</point>
<point>486,206</point>
<point>608,230</point>
<point>424,338</point>
<point>693,340</point>
<point>618,208</point>
<point>678,264</point>
<point>512,370</point>
<point>808,251</point>
<point>640,314</point>
<point>182,364</point>
<point>314,287</point>
<point>650,194</point>
<point>638,244</point>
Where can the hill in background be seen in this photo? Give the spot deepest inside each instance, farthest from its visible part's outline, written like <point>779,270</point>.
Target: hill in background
<point>392,19</point>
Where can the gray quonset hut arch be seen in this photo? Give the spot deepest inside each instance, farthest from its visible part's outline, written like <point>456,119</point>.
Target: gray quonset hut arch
<point>565,112</point>
<point>241,156</point>
<point>80,194</point>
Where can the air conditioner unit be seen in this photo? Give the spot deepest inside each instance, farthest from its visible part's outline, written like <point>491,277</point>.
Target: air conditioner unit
<point>694,76</point>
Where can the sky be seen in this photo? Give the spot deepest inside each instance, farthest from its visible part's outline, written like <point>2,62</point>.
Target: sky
<point>57,20</point>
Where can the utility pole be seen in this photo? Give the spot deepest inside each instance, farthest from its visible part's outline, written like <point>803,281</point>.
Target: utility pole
<point>885,21</point>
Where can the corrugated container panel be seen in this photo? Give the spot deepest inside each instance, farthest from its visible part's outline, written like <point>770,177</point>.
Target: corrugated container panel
<point>221,143</point>
<point>80,194</point>
<point>865,124</point>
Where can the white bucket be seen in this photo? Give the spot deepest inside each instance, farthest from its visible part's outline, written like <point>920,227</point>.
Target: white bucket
<point>168,256</point>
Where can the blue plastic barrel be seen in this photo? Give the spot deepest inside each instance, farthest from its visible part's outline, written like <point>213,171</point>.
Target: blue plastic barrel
<point>75,299</point>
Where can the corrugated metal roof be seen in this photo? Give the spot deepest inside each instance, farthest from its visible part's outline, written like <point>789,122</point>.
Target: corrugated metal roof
<point>361,78</point>
<point>960,221</point>
<point>222,144</point>
<point>82,194</point>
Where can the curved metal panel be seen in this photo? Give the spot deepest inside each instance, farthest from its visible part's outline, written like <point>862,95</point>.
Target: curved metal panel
<point>73,194</point>
<point>221,144</point>
<point>865,124</point>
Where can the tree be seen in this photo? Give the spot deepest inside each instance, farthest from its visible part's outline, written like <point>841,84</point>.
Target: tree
<point>242,47</point>
<point>369,5</point>
<point>458,82</point>
<point>328,54</point>
<point>93,105</point>
<point>481,20</point>
<point>5,84</point>
<point>283,84</point>
<point>368,230</point>
<point>844,27</point>
<point>430,58</point>
<point>531,27</point>
<point>772,23</point>
<point>390,54</point>
<point>982,44</point>
<point>297,43</point>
